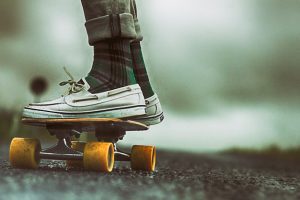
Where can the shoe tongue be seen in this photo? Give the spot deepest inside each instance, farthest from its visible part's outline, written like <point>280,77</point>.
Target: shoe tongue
<point>85,83</point>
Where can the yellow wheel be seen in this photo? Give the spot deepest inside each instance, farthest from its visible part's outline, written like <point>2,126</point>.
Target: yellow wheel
<point>143,158</point>
<point>77,146</point>
<point>99,156</point>
<point>24,153</point>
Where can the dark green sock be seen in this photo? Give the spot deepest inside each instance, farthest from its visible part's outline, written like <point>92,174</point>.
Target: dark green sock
<point>112,67</point>
<point>140,70</point>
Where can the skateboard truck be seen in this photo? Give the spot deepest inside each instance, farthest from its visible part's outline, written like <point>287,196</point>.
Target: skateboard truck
<point>63,151</point>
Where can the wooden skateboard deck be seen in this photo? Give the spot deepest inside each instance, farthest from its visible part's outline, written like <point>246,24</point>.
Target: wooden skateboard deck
<point>87,124</point>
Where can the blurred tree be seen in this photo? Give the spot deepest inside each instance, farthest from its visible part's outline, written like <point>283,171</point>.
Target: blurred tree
<point>10,17</point>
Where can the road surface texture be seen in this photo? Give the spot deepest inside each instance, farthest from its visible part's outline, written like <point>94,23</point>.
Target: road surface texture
<point>178,176</point>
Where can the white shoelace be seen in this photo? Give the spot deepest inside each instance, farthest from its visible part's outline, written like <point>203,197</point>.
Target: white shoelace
<point>74,87</point>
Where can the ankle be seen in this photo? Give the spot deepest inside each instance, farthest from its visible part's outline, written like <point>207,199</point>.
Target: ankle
<point>112,67</point>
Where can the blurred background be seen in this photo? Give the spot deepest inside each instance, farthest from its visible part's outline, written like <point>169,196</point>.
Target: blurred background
<point>227,72</point>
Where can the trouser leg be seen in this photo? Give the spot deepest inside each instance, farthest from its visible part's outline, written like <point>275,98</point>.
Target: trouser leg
<point>133,9</point>
<point>109,19</point>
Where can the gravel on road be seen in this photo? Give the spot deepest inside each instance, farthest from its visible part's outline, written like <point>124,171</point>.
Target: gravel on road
<point>178,176</point>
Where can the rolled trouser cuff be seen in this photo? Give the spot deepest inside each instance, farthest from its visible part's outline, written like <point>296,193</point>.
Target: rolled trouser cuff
<point>139,36</point>
<point>111,27</point>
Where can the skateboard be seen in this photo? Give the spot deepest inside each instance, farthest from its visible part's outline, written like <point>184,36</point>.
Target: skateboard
<point>91,156</point>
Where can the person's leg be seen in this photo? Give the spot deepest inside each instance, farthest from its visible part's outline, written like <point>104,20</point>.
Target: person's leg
<point>110,28</point>
<point>154,113</point>
<point>139,66</point>
<point>110,89</point>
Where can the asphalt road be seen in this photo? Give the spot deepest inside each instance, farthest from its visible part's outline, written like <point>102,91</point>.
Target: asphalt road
<point>178,176</point>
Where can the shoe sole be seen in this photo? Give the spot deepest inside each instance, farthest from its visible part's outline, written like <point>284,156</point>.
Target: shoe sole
<point>150,120</point>
<point>120,112</point>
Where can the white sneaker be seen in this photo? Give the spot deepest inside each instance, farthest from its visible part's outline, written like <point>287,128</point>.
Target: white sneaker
<point>154,114</point>
<point>118,103</point>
